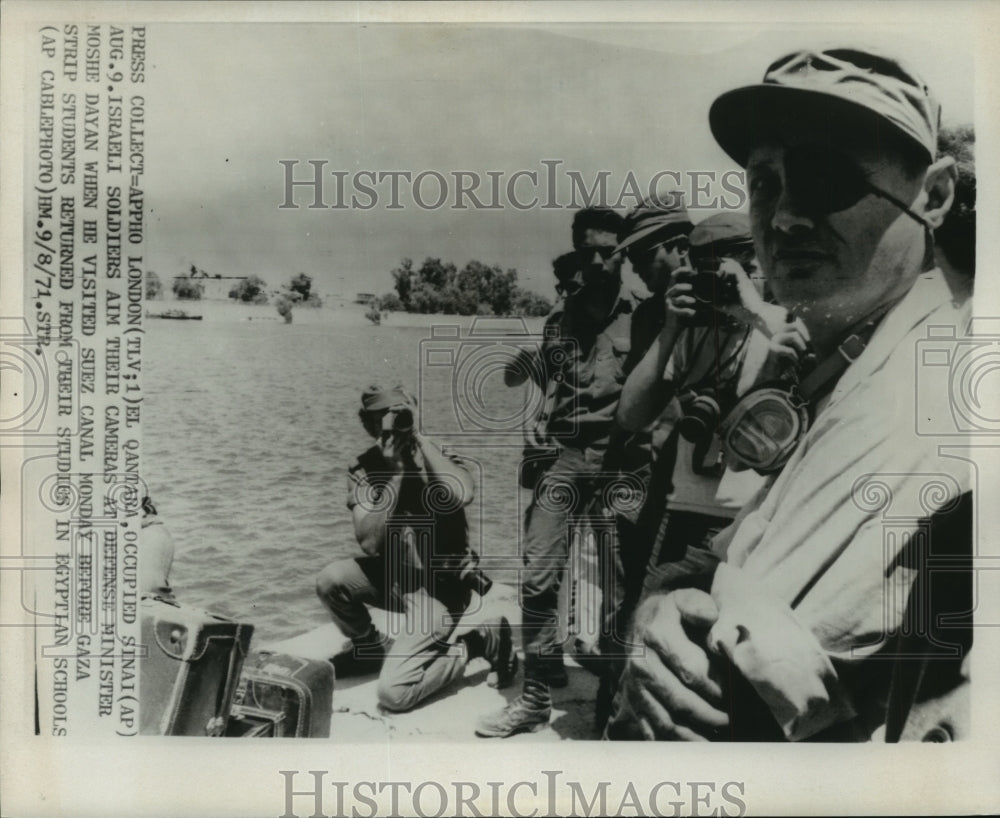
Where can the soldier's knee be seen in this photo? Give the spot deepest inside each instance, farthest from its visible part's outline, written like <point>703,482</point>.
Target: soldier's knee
<point>395,696</point>
<point>330,584</point>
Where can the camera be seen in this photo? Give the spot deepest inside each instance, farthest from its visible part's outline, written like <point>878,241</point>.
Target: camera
<point>711,286</point>
<point>701,415</point>
<point>478,581</point>
<point>402,421</point>
<point>699,425</point>
<point>461,378</point>
<point>473,576</point>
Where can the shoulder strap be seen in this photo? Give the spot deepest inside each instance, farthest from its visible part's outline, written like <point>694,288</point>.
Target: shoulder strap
<point>828,371</point>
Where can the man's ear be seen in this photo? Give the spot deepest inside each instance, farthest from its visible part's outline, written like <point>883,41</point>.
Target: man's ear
<point>939,190</point>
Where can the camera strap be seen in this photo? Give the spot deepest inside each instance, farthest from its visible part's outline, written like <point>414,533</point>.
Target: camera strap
<point>540,427</point>
<point>537,434</point>
<point>826,374</point>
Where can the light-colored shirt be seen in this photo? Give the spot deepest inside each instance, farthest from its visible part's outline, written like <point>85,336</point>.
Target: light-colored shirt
<point>822,538</point>
<point>587,374</point>
<point>729,361</point>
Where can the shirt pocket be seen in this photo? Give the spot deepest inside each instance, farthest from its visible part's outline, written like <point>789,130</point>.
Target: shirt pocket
<point>609,365</point>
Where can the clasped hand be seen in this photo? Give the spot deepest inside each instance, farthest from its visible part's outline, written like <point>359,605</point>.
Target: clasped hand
<point>670,689</point>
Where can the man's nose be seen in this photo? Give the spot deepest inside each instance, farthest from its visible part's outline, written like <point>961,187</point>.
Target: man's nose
<point>788,216</point>
<point>611,264</point>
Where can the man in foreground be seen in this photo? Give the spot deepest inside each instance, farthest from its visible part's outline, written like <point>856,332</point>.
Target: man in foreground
<point>408,504</point>
<point>784,640</point>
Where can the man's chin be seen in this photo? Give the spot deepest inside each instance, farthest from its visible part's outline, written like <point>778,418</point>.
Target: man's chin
<point>802,266</point>
<point>802,282</point>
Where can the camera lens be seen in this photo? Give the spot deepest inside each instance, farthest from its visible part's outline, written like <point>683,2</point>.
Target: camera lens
<point>479,582</point>
<point>403,421</point>
<point>700,420</point>
<point>707,263</point>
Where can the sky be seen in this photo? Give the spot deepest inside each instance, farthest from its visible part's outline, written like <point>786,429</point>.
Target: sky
<point>227,103</point>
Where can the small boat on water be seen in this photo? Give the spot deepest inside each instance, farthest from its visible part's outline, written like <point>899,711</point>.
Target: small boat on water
<point>176,315</point>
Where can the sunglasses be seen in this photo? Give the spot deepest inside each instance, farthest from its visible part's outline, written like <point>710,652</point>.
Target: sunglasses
<point>586,254</point>
<point>822,181</point>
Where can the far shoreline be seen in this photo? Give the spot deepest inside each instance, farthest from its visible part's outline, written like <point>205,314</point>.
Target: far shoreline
<point>340,313</point>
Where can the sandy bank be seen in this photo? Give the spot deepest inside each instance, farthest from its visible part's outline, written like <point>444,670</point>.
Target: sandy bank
<point>451,714</point>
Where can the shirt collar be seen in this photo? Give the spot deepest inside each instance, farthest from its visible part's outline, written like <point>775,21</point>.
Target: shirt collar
<point>929,292</point>
<point>625,303</point>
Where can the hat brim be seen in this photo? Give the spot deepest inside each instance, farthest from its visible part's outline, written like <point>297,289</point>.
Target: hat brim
<point>668,230</point>
<point>384,400</point>
<point>756,114</point>
<point>379,405</point>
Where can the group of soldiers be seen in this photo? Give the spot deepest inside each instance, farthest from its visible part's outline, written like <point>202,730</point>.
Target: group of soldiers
<point>758,397</point>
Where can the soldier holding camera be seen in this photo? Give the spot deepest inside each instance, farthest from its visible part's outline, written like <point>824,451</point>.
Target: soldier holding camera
<point>408,500</point>
<point>654,238</point>
<point>711,348</point>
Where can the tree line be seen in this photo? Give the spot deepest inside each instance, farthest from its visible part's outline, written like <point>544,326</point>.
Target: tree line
<point>433,287</point>
<point>476,289</point>
<point>249,290</point>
